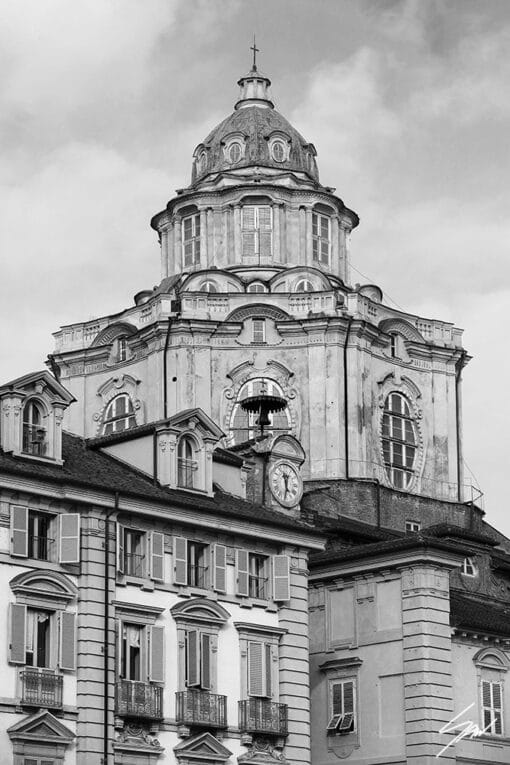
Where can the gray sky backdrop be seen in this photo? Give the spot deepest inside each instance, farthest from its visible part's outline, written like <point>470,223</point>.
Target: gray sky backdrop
<point>407,102</point>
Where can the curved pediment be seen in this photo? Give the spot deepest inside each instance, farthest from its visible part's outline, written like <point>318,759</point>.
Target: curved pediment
<point>401,327</point>
<point>111,333</point>
<point>259,310</point>
<point>47,585</point>
<point>200,610</point>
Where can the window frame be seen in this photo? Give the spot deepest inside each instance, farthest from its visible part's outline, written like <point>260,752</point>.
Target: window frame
<point>306,283</point>
<point>34,434</point>
<point>401,475</point>
<point>262,246</point>
<point>469,568</point>
<point>187,466</point>
<point>249,288</point>
<point>258,330</point>
<point>412,527</point>
<point>183,565</point>
<point>270,637</point>
<point>334,727</point>
<point>194,240</point>
<point>321,243</point>
<point>128,415</point>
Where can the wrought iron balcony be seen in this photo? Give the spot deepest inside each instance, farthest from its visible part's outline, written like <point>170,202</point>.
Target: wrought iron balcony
<point>136,699</point>
<point>197,707</point>
<point>41,688</point>
<point>263,716</point>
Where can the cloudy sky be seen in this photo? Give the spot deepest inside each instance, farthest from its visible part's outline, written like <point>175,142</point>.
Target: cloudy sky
<point>407,101</point>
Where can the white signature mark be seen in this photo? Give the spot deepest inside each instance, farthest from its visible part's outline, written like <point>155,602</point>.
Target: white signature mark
<point>468,728</point>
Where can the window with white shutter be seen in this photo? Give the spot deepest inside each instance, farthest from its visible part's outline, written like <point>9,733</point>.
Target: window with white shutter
<point>39,535</point>
<point>257,231</point>
<point>259,669</point>
<point>157,556</point>
<point>69,538</point>
<point>281,577</point>
<point>220,568</point>
<point>198,659</point>
<point>492,707</point>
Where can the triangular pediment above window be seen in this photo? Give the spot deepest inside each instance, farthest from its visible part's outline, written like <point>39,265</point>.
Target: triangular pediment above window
<point>202,748</point>
<point>195,419</point>
<point>40,383</point>
<point>43,727</point>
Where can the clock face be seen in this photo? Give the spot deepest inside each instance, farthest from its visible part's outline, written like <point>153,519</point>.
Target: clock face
<point>285,484</point>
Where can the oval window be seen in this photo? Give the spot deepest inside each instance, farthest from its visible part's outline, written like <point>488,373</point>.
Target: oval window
<point>278,151</point>
<point>234,152</point>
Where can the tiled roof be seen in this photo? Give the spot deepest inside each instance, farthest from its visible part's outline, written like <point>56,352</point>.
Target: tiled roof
<point>92,469</point>
<point>411,541</point>
<point>457,532</point>
<point>472,614</point>
<point>345,526</point>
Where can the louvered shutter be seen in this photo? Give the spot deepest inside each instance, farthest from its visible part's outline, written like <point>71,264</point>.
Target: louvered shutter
<point>205,662</point>
<point>119,647</point>
<point>220,568</point>
<point>157,556</point>
<point>193,658</point>
<point>69,538</point>
<point>348,697</point>
<point>497,704</point>
<point>265,231</point>
<point>248,231</point>
<point>242,572</point>
<point>17,636</point>
<point>120,548</point>
<point>19,531</point>
<point>180,560</point>
<point>256,674</point>
<point>67,647</point>
<point>267,668</point>
<point>338,706</point>
<point>281,577</point>
<point>157,645</point>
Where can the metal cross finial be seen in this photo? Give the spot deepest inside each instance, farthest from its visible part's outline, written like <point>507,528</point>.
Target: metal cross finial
<point>255,51</point>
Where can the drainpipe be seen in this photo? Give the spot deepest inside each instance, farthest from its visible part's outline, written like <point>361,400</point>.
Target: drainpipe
<point>106,643</point>
<point>346,401</point>
<point>155,457</point>
<point>458,425</point>
<point>165,382</point>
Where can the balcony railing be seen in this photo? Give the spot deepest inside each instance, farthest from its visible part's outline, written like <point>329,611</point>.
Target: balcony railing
<point>137,699</point>
<point>263,716</point>
<point>41,688</point>
<point>196,707</point>
<point>39,547</point>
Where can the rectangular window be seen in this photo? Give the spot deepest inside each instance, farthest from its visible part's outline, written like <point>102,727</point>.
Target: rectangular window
<point>257,231</point>
<point>413,526</point>
<point>38,638</point>
<point>45,537</point>
<point>190,563</point>
<point>258,576</point>
<point>39,539</point>
<point>134,553</point>
<point>198,660</point>
<point>492,707</point>
<point>259,331</point>
<point>191,240</point>
<point>343,707</point>
<point>131,647</point>
<point>197,564</point>
<point>321,240</point>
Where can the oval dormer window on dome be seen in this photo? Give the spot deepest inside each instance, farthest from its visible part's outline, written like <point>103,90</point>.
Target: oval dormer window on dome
<point>201,162</point>
<point>34,432</point>
<point>278,151</point>
<point>399,440</point>
<point>235,152</point>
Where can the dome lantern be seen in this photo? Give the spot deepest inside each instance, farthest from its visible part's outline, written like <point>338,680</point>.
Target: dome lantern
<point>254,86</point>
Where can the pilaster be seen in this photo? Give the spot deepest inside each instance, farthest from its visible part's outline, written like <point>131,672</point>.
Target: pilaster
<point>428,692</point>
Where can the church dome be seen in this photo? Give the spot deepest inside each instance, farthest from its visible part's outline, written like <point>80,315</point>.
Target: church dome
<point>254,135</point>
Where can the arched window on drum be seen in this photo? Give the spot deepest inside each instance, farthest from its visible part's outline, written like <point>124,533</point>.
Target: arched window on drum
<point>243,425</point>
<point>399,440</point>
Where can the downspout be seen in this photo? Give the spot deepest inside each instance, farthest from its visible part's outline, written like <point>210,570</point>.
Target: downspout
<point>155,457</point>
<point>106,642</point>
<point>165,383</point>
<point>458,425</point>
<point>346,401</point>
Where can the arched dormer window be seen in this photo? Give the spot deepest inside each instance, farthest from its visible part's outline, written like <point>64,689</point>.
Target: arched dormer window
<point>469,567</point>
<point>186,463</point>
<point>256,287</point>
<point>119,415</point>
<point>304,285</point>
<point>208,286</point>
<point>398,440</point>
<point>34,432</point>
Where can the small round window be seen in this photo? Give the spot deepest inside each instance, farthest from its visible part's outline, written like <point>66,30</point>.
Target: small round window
<point>234,152</point>
<point>278,151</point>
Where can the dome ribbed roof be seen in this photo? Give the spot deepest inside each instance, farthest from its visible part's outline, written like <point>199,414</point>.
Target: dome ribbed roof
<point>256,126</point>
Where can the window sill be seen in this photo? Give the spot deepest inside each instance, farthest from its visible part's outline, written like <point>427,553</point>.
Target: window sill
<point>36,458</point>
